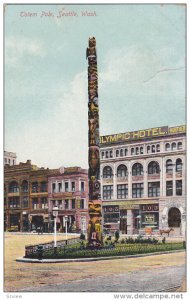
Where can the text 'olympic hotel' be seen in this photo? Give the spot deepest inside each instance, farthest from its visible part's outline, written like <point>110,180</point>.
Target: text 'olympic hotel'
<point>143,180</point>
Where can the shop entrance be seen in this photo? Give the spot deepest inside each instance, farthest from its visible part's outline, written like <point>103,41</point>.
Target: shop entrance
<point>123,221</point>
<point>174,217</point>
<point>37,222</point>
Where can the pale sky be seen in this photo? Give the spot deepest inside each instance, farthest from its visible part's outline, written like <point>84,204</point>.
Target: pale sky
<point>141,64</point>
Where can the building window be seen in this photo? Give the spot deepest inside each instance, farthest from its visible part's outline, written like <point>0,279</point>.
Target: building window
<point>59,187</point>
<point>35,204</point>
<point>44,203</point>
<point>66,186</point>
<point>153,149</point>
<point>157,148</point>
<point>153,168</point>
<point>179,165</point>
<point>81,203</point>
<point>102,154</point>
<point>25,201</point>
<point>14,202</point>
<point>122,191</point>
<point>137,150</point>
<point>13,187</point>
<point>132,151</point>
<point>117,153</point>
<point>179,145</point>
<point>179,187</point>
<point>121,152</point>
<point>13,162</point>
<point>25,186</point>
<point>122,171</point>
<point>169,188</point>
<point>154,189</point>
<point>169,166</point>
<point>126,151</point>
<point>82,186</point>
<point>73,203</point>
<point>34,187</point>
<point>111,153</point>
<point>107,156</point>
<point>167,147</point>
<point>53,187</point>
<point>107,172</point>
<point>43,187</point>
<point>137,169</point>
<point>59,203</point>
<point>141,150</point>
<point>73,186</point>
<point>107,192</point>
<point>174,146</point>
<point>148,149</point>
<point>66,204</point>
<point>137,190</point>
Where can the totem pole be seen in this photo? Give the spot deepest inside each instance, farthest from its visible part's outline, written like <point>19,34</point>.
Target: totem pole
<point>94,207</point>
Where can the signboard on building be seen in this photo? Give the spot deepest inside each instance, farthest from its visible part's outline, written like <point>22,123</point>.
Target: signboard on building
<point>142,134</point>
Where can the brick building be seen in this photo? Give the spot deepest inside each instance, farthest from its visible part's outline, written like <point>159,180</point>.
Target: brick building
<point>143,180</point>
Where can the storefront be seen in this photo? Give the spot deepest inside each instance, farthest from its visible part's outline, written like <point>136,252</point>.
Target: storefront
<point>149,216</point>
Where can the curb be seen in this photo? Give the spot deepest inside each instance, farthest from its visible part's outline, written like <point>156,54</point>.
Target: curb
<point>87,259</point>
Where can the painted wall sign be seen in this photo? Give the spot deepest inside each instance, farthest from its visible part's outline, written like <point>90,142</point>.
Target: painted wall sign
<point>142,134</point>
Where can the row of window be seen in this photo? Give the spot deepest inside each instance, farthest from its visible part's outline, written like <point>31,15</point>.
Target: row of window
<point>70,204</point>
<point>35,187</point>
<point>137,169</point>
<point>9,161</point>
<point>66,187</point>
<point>14,202</point>
<point>140,150</point>
<point>138,190</point>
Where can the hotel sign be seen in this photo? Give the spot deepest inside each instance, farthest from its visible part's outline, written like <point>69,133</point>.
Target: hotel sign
<point>142,134</point>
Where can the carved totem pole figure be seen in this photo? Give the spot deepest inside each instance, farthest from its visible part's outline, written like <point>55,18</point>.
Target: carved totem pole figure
<point>95,204</point>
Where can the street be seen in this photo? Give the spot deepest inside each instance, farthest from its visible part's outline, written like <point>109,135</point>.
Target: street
<point>151,273</point>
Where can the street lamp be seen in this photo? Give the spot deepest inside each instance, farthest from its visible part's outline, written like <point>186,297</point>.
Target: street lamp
<point>55,214</point>
<point>66,219</point>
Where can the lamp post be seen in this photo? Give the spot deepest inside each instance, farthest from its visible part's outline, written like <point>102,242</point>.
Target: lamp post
<point>55,214</point>
<point>66,219</point>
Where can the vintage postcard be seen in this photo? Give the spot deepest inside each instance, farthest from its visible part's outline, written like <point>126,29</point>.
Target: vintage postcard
<point>95,150</point>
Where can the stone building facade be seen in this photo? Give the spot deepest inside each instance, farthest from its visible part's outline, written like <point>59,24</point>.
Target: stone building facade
<point>68,190</point>
<point>143,180</point>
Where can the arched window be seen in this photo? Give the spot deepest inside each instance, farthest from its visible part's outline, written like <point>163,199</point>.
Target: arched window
<point>102,154</point>
<point>126,151</point>
<point>137,169</point>
<point>178,165</point>
<point>107,172</point>
<point>132,151</point>
<point>137,150</point>
<point>148,149</point>
<point>141,150</point>
<point>111,153</point>
<point>174,146</point>
<point>121,152</point>
<point>158,148</point>
<point>167,147</point>
<point>122,171</point>
<point>13,187</point>
<point>153,168</point>
<point>117,153</point>
<point>107,155</point>
<point>25,186</point>
<point>169,166</point>
<point>179,145</point>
